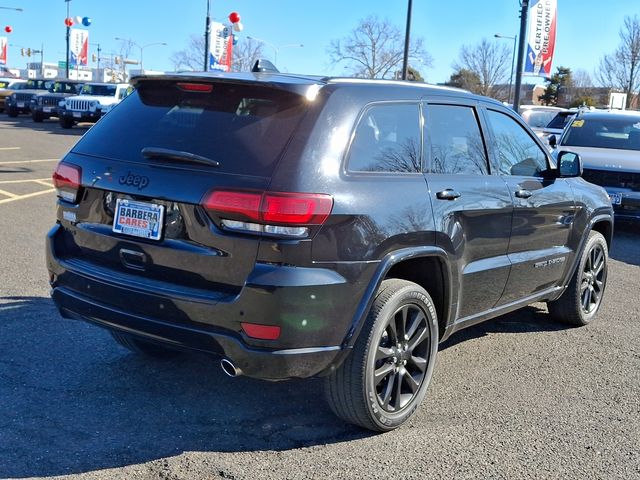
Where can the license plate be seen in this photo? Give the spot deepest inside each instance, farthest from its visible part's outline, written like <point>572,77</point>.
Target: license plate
<point>616,198</point>
<point>138,219</point>
<point>77,114</point>
<point>20,104</point>
<point>46,109</point>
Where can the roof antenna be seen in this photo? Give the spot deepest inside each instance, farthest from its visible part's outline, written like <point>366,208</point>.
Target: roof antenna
<point>264,66</point>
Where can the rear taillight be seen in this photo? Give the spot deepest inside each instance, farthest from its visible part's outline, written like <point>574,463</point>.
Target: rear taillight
<point>66,179</point>
<point>271,213</point>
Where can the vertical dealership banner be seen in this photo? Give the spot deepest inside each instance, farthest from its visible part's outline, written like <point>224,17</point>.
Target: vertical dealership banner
<point>221,47</point>
<point>541,40</point>
<point>3,50</point>
<point>79,47</point>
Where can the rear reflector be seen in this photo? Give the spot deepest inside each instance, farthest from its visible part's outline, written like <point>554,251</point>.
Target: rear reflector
<point>275,208</point>
<point>66,179</point>
<point>196,87</point>
<point>262,332</point>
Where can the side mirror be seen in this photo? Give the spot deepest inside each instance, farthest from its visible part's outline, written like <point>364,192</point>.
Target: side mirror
<point>553,141</point>
<point>569,164</point>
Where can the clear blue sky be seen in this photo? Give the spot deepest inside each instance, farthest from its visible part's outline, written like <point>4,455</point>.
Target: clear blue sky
<point>587,29</point>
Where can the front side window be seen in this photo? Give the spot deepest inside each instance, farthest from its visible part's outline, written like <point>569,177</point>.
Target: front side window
<point>516,152</point>
<point>454,139</point>
<point>387,139</point>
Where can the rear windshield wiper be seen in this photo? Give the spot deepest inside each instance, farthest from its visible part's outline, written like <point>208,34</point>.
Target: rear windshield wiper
<point>167,153</point>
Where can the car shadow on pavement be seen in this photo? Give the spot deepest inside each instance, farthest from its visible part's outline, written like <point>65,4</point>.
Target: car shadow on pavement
<point>50,126</point>
<point>534,318</point>
<point>72,401</point>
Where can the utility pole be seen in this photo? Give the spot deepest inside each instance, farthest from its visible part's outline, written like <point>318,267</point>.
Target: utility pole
<point>524,11</point>
<point>207,36</point>
<point>405,59</point>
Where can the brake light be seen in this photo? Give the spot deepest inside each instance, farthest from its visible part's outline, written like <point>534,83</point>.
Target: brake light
<point>275,213</point>
<point>66,179</point>
<point>196,87</point>
<point>263,332</point>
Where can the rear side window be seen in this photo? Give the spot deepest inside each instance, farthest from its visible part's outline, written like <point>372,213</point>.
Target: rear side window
<point>516,152</point>
<point>560,120</point>
<point>243,127</point>
<point>454,140</point>
<point>387,139</point>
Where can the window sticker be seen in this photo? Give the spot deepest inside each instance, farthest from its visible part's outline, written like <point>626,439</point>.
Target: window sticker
<point>578,123</point>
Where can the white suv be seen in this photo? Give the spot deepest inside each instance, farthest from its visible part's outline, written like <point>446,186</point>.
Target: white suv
<point>94,101</point>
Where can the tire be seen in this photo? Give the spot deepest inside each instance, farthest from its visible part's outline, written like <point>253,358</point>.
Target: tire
<point>12,112</point>
<point>65,122</point>
<point>581,300</point>
<point>385,401</point>
<point>137,345</point>
<point>37,117</point>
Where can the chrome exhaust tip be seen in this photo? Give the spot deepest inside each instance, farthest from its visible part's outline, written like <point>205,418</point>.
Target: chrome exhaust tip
<point>229,368</point>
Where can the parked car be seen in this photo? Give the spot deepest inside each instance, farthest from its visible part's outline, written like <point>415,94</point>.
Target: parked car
<point>7,87</point>
<point>609,144</point>
<point>45,105</point>
<point>94,101</point>
<point>301,226</point>
<point>539,116</point>
<point>19,101</point>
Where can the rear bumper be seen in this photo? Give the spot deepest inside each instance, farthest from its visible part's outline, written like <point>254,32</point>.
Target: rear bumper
<point>311,306</point>
<point>256,363</point>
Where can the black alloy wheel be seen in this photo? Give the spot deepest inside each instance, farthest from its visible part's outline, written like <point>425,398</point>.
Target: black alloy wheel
<point>582,298</point>
<point>401,358</point>
<point>593,278</point>
<point>385,377</point>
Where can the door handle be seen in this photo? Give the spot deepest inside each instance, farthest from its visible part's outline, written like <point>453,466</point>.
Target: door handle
<point>522,193</point>
<point>448,194</point>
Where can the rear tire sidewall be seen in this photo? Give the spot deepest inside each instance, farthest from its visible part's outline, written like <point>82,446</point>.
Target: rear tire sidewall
<point>411,294</point>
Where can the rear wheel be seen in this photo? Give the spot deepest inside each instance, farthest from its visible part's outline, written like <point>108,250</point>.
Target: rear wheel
<point>581,300</point>
<point>12,112</point>
<point>138,345</point>
<point>37,117</point>
<point>385,377</point>
<point>66,123</point>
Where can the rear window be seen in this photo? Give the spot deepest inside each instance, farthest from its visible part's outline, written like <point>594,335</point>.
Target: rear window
<point>560,120</point>
<point>243,127</point>
<point>620,132</point>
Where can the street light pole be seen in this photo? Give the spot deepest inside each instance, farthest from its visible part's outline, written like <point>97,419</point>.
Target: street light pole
<point>141,47</point>
<point>276,49</point>
<point>523,32</point>
<point>66,68</point>
<point>513,59</point>
<point>405,58</point>
<point>207,36</point>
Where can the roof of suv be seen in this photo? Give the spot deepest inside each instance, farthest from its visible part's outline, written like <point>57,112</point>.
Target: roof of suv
<point>295,81</point>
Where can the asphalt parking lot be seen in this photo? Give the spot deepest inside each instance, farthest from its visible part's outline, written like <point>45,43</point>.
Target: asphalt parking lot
<point>516,397</point>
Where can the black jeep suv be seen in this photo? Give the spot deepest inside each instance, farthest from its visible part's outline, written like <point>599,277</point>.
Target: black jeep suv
<point>302,226</point>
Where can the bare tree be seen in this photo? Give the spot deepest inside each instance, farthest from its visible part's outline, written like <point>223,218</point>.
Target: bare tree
<point>245,54</point>
<point>374,49</point>
<point>114,64</point>
<point>490,61</point>
<point>190,58</point>
<point>621,69</point>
